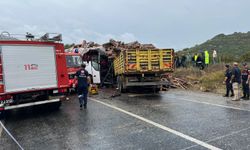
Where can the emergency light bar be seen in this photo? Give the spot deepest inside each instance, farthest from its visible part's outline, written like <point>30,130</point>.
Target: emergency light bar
<point>46,37</point>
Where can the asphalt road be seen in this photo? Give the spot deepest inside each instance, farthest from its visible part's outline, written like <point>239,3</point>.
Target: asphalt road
<point>173,120</point>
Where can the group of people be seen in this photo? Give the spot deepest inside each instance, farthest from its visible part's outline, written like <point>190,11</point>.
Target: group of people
<point>200,60</point>
<point>233,78</point>
<point>181,61</point>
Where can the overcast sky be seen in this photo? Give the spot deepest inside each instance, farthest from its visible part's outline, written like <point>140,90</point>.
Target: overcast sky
<point>166,23</point>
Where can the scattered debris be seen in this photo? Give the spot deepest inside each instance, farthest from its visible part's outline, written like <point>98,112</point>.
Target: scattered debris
<point>111,48</point>
<point>115,95</point>
<point>173,82</point>
<point>114,47</point>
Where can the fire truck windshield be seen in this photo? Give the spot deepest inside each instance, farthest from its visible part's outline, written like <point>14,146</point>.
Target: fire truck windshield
<point>73,61</point>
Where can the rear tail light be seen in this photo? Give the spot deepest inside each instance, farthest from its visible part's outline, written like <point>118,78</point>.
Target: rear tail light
<point>1,87</point>
<point>62,90</point>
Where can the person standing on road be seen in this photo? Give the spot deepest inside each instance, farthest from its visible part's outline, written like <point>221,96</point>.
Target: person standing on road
<point>245,75</point>
<point>236,80</point>
<point>82,77</point>
<point>229,88</point>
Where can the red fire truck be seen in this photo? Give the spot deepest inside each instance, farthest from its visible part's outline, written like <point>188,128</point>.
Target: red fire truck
<point>31,72</point>
<point>74,61</point>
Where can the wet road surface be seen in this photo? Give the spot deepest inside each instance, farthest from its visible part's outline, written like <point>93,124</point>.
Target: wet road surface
<point>192,120</point>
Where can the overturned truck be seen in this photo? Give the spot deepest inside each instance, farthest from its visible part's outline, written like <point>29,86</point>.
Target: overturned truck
<point>142,68</point>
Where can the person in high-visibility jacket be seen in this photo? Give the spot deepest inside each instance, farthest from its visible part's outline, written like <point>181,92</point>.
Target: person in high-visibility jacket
<point>206,58</point>
<point>194,60</point>
<point>195,57</point>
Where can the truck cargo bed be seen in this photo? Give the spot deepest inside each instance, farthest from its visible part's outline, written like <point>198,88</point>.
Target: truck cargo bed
<point>144,61</point>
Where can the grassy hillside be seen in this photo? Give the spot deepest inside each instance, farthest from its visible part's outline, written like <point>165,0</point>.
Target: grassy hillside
<point>207,80</point>
<point>230,47</point>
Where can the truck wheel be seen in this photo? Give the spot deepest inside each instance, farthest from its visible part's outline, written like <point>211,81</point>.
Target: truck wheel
<point>124,89</point>
<point>118,80</point>
<point>56,106</point>
<point>120,85</point>
<point>53,106</point>
<point>156,89</point>
<point>2,114</point>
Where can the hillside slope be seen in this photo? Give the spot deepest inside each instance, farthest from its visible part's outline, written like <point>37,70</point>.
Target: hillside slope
<point>234,45</point>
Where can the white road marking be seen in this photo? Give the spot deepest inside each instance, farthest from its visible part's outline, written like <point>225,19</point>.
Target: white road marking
<point>207,103</point>
<point>1,129</point>
<point>220,137</point>
<point>230,134</point>
<point>187,137</point>
<point>12,137</point>
<point>142,95</point>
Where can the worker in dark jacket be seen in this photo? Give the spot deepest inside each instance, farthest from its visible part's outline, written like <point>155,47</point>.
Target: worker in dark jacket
<point>183,61</point>
<point>229,87</point>
<point>82,77</point>
<point>177,61</point>
<point>245,75</point>
<point>199,62</point>
<point>236,80</point>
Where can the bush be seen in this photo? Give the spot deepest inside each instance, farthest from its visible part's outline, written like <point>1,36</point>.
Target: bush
<point>245,57</point>
<point>212,81</point>
<point>209,79</point>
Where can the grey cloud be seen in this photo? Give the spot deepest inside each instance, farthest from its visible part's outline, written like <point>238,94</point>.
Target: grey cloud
<point>166,23</point>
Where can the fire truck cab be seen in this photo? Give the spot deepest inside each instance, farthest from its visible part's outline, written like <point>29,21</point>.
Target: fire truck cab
<point>74,61</point>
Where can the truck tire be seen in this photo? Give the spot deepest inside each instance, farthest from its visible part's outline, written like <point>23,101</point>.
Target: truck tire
<point>124,88</point>
<point>120,85</point>
<point>56,106</point>
<point>156,89</point>
<point>50,106</point>
<point>2,114</point>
